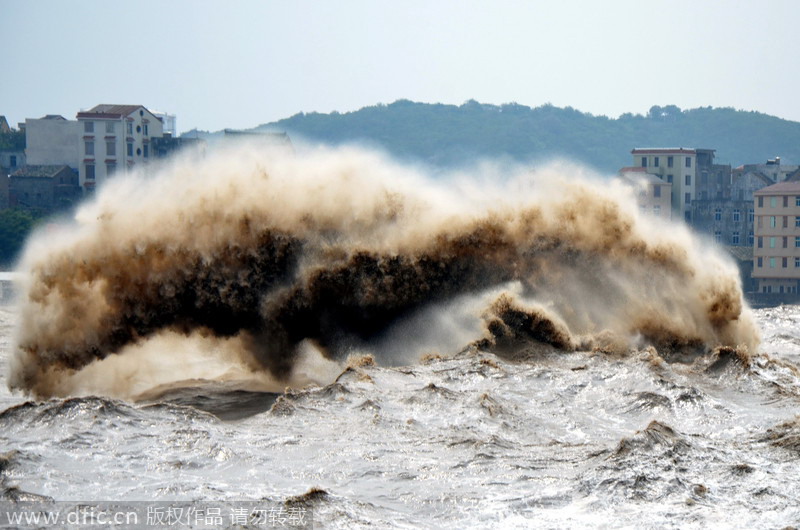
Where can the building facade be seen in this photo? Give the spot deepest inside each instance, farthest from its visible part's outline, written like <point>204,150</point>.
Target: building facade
<point>676,166</point>
<point>52,140</point>
<point>114,138</point>
<point>653,195</point>
<point>48,188</point>
<point>776,250</point>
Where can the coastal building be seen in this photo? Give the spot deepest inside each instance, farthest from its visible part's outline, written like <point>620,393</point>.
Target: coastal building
<point>51,140</point>
<point>168,145</point>
<point>776,250</point>
<point>114,138</point>
<point>45,188</point>
<point>675,166</point>
<point>11,160</point>
<point>12,148</point>
<point>278,141</point>
<point>653,195</point>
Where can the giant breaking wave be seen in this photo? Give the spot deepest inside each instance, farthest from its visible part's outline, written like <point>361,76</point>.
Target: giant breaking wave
<point>240,263</point>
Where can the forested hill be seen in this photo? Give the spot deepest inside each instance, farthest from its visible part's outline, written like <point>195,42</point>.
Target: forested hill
<point>445,135</point>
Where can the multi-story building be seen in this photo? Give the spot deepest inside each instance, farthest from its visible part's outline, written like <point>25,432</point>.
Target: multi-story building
<point>675,166</point>
<point>653,195</point>
<point>776,250</point>
<point>114,138</point>
<point>51,141</point>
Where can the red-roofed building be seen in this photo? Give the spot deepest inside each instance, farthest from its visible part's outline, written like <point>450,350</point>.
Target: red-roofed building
<point>114,138</point>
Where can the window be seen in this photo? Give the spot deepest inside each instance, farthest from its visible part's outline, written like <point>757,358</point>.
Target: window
<point>644,161</point>
<point>110,127</point>
<point>773,221</point>
<point>145,131</point>
<point>687,215</point>
<point>750,215</point>
<point>12,160</point>
<point>785,201</point>
<point>657,210</point>
<point>688,161</point>
<point>750,238</point>
<point>130,148</point>
<point>669,161</point>
<point>761,202</point>
<point>797,220</point>
<point>111,148</point>
<point>688,198</point>
<point>89,148</point>
<point>797,201</point>
<point>657,192</point>
<point>736,216</point>
<point>146,149</point>
<point>735,238</point>
<point>760,261</point>
<point>138,128</point>
<point>110,169</point>
<point>797,242</point>
<point>760,242</point>
<point>785,242</point>
<point>688,179</point>
<point>655,161</point>
<point>773,202</point>
<point>130,128</point>
<point>785,263</point>
<point>88,126</point>
<point>718,214</point>
<point>771,263</point>
<point>90,171</point>
<point>772,242</point>
<point>797,263</point>
<point>718,236</point>
<point>669,179</point>
<point>785,221</point>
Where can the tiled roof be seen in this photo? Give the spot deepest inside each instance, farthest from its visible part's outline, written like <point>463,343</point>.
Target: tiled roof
<point>741,253</point>
<point>39,171</point>
<point>110,111</point>
<point>780,188</point>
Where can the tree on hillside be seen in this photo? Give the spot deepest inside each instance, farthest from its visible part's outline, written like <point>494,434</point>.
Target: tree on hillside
<point>457,135</point>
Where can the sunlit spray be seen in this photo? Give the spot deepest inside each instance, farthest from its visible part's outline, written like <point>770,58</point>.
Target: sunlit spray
<point>248,263</point>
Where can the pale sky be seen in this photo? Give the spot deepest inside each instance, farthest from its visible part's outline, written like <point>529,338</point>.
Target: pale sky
<point>241,63</point>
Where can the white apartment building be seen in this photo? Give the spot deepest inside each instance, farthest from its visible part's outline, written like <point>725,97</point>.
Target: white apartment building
<point>114,138</point>
<point>675,166</point>
<point>776,249</point>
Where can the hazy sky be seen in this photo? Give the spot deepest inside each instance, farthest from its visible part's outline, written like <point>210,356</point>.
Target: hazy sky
<point>240,63</point>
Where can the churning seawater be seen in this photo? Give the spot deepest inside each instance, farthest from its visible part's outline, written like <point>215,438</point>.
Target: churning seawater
<point>511,349</point>
<point>558,440</point>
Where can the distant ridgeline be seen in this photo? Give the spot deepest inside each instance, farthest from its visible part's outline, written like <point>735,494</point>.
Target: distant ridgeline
<point>450,135</point>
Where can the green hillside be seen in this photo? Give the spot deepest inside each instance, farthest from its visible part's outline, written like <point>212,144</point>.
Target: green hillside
<point>447,135</point>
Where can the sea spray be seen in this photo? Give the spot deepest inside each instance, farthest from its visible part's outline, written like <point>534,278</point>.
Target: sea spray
<point>262,254</point>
